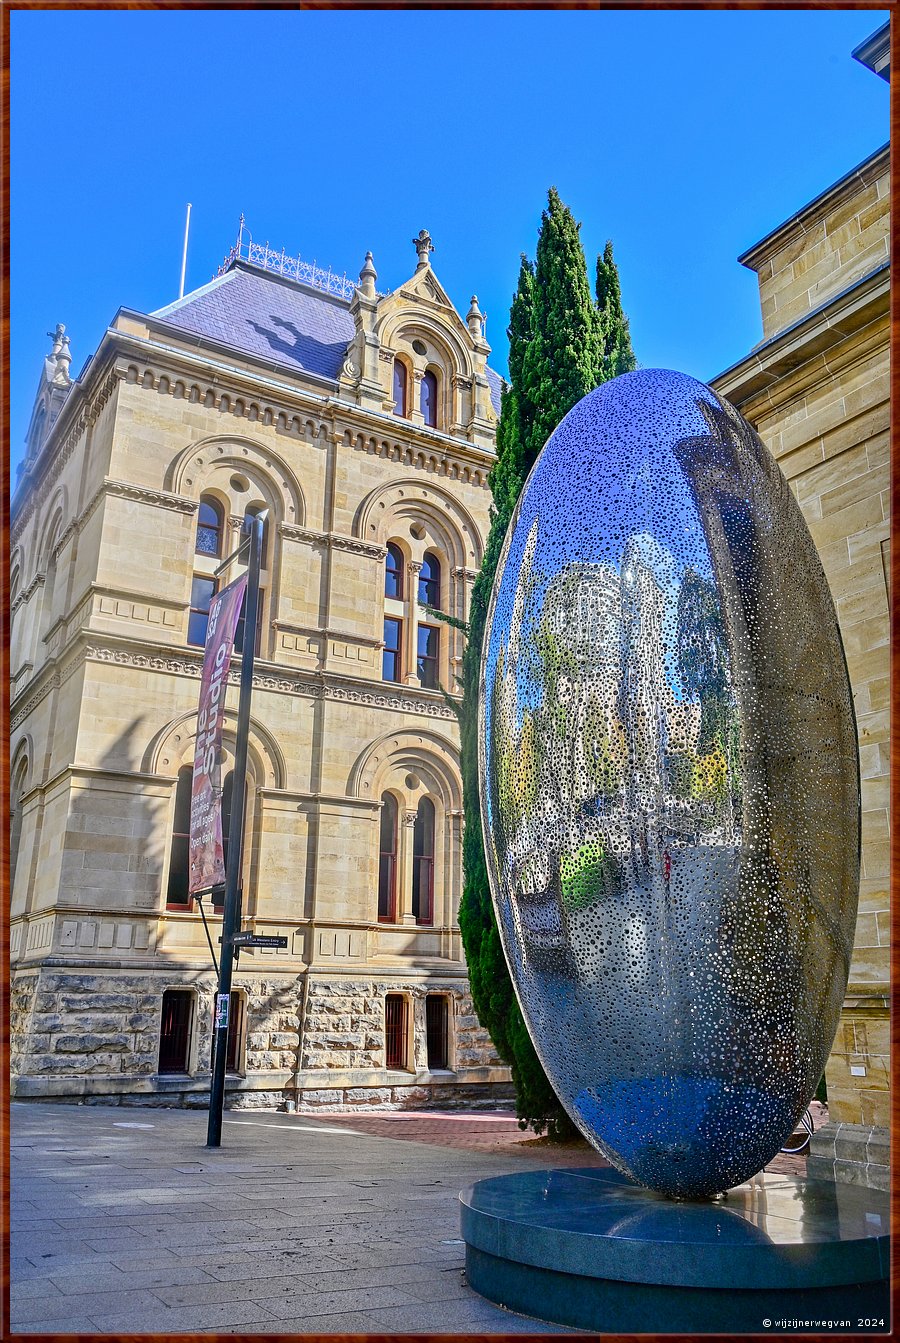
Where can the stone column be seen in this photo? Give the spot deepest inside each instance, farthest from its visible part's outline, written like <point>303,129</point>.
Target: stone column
<point>405,873</point>
<point>415,395</point>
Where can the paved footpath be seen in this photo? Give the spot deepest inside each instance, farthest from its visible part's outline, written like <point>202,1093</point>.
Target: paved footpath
<point>123,1222</point>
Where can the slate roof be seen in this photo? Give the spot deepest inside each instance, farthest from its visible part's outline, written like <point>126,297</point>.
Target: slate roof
<point>276,321</point>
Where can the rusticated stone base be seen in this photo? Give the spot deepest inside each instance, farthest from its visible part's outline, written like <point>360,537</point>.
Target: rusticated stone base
<point>851,1153</point>
<point>92,1035</point>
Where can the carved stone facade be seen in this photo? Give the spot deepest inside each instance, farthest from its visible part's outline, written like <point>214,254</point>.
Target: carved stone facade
<point>296,413</point>
<point>817,389</point>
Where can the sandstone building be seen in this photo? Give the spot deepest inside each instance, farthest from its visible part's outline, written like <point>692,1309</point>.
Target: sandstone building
<point>817,389</point>
<point>364,422</point>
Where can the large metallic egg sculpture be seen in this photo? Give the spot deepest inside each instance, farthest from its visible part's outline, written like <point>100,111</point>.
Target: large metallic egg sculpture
<point>670,784</point>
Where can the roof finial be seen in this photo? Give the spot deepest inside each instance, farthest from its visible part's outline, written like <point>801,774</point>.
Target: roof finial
<point>475,319</point>
<point>367,277</point>
<point>423,246</point>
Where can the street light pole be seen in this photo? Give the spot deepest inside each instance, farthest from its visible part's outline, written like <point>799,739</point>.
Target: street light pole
<point>231,914</point>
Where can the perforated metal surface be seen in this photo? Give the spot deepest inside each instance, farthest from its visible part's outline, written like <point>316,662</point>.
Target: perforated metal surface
<point>670,784</point>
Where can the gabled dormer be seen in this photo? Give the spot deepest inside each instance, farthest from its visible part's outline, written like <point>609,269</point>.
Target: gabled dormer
<point>413,356</point>
<point>53,388</point>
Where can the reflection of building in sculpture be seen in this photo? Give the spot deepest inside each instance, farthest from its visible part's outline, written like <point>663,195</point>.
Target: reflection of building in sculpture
<point>643,683</point>
<point>364,423</point>
<point>581,615</point>
<point>817,390</point>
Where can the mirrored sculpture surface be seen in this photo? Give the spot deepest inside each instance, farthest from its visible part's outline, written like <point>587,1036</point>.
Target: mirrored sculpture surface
<point>670,784</point>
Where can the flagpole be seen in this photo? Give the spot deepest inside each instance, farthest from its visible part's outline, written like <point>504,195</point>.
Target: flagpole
<point>231,915</point>
<point>187,225</point>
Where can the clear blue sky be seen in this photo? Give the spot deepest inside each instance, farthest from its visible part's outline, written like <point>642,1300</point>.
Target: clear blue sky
<point>684,136</point>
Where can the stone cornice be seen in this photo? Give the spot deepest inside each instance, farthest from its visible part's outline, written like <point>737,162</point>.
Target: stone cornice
<point>90,393</point>
<point>121,489</point>
<point>328,407</point>
<point>808,346</point>
<point>50,677</point>
<point>354,544</point>
<point>88,646</point>
<point>36,582</point>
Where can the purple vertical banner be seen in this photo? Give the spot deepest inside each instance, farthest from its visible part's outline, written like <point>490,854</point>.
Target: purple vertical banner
<point>207,854</point>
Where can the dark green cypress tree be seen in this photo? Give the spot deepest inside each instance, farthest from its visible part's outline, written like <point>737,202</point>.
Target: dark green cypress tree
<point>564,358</point>
<point>559,350</point>
<point>618,356</point>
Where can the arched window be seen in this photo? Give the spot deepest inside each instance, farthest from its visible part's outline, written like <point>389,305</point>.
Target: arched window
<point>399,387</point>
<point>428,396</point>
<point>423,863</point>
<point>430,581</point>
<point>252,511</point>
<point>177,894</point>
<point>15,590</point>
<point>218,895</point>
<point>15,825</point>
<point>387,861</point>
<point>393,572</point>
<point>179,853</point>
<point>210,520</point>
<point>47,598</point>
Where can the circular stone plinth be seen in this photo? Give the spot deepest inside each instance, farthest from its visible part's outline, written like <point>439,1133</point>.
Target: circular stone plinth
<point>588,1248</point>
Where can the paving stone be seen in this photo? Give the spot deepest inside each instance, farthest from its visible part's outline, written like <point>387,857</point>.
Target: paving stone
<point>51,1309</point>
<point>350,1323</point>
<point>316,1304</point>
<point>115,1280</point>
<point>188,1319</point>
<point>39,1286</point>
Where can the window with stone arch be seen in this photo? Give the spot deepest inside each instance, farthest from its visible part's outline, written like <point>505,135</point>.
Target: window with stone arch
<point>430,581</point>
<point>387,859</point>
<point>15,591</point>
<point>393,657</point>
<point>250,513</point>
<point>210,526</point>
<point>177,886</point>
<point>423,862</point>
<point>49,592</point>
<point>393,572</point>
<point>428,398</point>
<point>18,786</point>
<point>400,389</point>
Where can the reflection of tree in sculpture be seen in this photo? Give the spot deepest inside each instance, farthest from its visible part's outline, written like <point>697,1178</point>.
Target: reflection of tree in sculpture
<point>777,665</point>
<point>704,671</point>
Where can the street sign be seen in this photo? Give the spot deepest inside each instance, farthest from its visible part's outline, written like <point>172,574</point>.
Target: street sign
<point>259,940</point>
